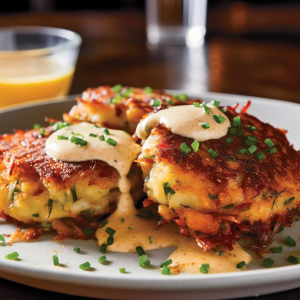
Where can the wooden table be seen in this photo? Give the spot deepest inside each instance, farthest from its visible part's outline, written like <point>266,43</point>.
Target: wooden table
<point>115,50</point>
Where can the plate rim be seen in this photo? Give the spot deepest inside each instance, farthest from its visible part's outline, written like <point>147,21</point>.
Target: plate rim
<point>191,281</point>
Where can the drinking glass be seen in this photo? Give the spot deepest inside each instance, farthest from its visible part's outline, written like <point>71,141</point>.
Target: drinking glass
<point>36,63</point>
<point>176,22</point>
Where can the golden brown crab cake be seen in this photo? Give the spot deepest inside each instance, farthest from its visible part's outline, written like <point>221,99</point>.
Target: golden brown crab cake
<point>245,181</point>
<point>35,188</point>
<point>121,107</point>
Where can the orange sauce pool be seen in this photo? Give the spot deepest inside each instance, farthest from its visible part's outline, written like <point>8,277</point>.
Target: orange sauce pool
<point>22,81</point>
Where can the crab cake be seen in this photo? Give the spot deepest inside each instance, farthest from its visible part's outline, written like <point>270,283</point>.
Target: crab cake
<point>38,189</point>
<point>121,107</point>
<point>246,180</point>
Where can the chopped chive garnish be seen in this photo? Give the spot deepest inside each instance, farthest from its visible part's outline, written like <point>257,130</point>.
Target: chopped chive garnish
<point>228,140</point>
<point>168,190</point>
<point>78,134</point>
<point>95,126</point>
<point>105,130</point>
<point>129,228</point>
<point>289,200</point>
<point>110,240</point>
<point>143,261</point>
<point>271,150</point>
<point>216,103</point>
<point>292,259</point>
<point>165,263</point>
<point>221,118</point>
<point>216,118</point>
<point>36,126</point>
<point>240,132</point>
<point>127,92</point>
<point>268,262</point>
<point>74,195</point>
<point>117,88</point>
<point>42,131</point>
<point>206,108</point>
<point>62,137</point>
<point>76,249</point>
<point>103,223</point>
<point>102,138</point>
<point>269,143</point>
<point>250,142</point>
<point>148,90</point>
<point>213,153</point>
<point>103,248</point>
<point>251,150</point>
<point>232,131</point>
<point>166,271</point>
<point>122,270</point>
<point>277,249</point>
<point>93,135</point>
<point>260,155</point>
<point>224,110</point>
<point>122,220</point>
<point>85,266</point>
<point>88,231</point>
<point>204,268</point>
<point>213,196</point>
<point>140,250</point>
<point>228,206</point>
<point>205,125</point>
<point>185,148</point>
<point>55,260</point>
<point>220,252</point>
<point>280,229</point>
<point>13,255</point>
<point>237,122</point>
<point>149,156</point>
<point>290,242</point>
<point>182,97</point>
<point>195,145</point>
<point>150,239</point>
<point>251,128</point>
<point>78,141</point>
<point>252,138</point>
<point>116,99</point>
<point>35,215</point>
<point>241,265</point>
<point>2,239</point>
<point>111,142</point>
<point>196,104</point>
<point>110,231</point>
<point>60,125</point>
<point>156,102</point>
<point>102,259</point>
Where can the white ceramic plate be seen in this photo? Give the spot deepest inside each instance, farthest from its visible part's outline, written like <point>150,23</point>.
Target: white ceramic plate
<point>35,267</point>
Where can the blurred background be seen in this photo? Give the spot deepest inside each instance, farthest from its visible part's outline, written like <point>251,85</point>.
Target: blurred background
<point>250,47</point>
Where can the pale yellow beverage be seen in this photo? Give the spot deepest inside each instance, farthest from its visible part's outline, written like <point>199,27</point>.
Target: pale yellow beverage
<point>33,79</point>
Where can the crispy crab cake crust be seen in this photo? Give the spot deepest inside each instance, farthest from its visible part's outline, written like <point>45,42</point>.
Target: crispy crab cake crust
<point>25,166</point>
<point>210,192</point>
<point>99,105</point>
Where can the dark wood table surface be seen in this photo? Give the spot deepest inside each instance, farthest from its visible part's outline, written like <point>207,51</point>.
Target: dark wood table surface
<point>240,56</point>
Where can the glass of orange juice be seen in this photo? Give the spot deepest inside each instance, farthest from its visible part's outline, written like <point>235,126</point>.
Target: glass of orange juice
<point>36,63</point>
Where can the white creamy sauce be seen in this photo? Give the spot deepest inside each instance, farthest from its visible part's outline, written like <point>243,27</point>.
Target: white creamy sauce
<point>120,156</point>
<point>187,121</point>
<point>132,231</point>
